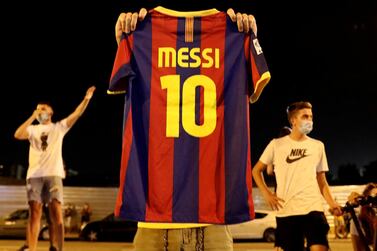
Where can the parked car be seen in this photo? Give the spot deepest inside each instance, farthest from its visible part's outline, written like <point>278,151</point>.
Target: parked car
<point>110,228</point>
<point>262,227</point>
<point>14,225</point>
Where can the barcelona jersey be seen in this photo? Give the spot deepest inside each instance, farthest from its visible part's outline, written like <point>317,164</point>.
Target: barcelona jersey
<point>188,79</point>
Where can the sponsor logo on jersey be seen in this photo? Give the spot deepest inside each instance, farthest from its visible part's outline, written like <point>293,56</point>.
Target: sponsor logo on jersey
<point>257,46</point>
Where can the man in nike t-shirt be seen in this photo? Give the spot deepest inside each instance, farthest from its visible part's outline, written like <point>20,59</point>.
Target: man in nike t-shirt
<point>300,164</point>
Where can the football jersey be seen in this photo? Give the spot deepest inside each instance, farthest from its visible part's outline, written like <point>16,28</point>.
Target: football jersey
<point>187,78</point>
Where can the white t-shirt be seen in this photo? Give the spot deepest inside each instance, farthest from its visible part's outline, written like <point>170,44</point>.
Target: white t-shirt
<point>296,164</point>
<point>46,160</point>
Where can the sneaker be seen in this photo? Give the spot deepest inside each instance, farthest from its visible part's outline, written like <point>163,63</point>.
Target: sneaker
<point>52,248</point>
<point>24,248</point>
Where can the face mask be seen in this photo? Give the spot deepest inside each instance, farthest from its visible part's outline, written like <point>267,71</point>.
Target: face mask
<point>43,117</point>
<point>306,127</point>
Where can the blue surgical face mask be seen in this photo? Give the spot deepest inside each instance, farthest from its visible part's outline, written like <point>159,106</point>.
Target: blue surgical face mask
<point>43,117</point>
<point>306,126</point>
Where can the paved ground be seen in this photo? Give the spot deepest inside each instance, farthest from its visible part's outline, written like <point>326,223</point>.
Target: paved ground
<point>13,245</point>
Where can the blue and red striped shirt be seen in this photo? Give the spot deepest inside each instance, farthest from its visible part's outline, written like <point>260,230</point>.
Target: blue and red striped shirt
<point>188,78</point>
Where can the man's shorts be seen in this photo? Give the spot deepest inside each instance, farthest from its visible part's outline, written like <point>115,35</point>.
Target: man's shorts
<point>292,231</point>
<point>45,189</point>
<point>212,237</point>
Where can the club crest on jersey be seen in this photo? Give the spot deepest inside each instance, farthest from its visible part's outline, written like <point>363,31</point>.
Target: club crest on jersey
<point>257,46</point>
<point>187,57</point>
<point>295,155</point>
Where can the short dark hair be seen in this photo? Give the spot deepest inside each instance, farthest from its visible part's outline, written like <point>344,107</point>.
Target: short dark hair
<point>45,102</point>
<point>293,108</point>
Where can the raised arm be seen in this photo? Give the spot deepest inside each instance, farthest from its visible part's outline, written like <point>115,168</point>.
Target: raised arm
<point>73,117</point>
<point>269,196</point>
<point>21,132</point>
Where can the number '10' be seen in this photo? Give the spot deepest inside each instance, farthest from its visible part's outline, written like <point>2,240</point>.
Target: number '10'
<point>172,84</point>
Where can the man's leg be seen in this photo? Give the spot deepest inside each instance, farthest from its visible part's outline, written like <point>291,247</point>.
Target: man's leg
<point>289,235</point>
<point>57,222</point>
<point>316,230</point>
<point>34,195</point>
<point>51,227</point>
<point>54,196</point>
<point>34,223</point>
<point>26,245</point>
<point>150,239</point>
<point>215,237</point>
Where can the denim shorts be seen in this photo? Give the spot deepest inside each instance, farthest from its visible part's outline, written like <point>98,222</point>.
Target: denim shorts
<point>45,189</point>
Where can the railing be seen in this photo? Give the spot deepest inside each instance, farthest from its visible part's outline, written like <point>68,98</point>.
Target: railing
<point>102,200</point>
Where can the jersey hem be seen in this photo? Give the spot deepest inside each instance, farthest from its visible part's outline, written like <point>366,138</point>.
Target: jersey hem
<point>115,92</point>
<point>262,82</point>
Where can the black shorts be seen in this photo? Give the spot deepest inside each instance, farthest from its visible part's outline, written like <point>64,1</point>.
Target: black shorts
<point>292,231</point>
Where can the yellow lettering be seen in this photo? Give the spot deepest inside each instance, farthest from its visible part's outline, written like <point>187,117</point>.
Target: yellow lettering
<point>217,58</point>
<point>188,58</point>
<point>168,53</point>
<point>209,59</point>
<point>193,55</point>
<point>188,106</point>
<point>171,84</point>
<point>183,57</point>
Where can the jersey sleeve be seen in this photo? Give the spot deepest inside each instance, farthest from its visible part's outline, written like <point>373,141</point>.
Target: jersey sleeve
<point>122,72</point>
<point>268,154</point>
<point>259,69</point>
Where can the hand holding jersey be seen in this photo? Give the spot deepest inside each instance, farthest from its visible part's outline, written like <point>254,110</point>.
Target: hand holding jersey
<point>180,54</point>
<point>127,22</point>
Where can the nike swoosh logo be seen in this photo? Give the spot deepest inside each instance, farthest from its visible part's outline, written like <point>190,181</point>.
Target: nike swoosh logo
<point>289,161</point>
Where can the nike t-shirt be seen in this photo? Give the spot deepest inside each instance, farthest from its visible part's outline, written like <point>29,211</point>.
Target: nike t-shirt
<point>296,164</point>
<point>45,154</point>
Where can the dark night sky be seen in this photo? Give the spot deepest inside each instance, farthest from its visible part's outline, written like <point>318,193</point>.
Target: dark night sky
<point>325,54</point>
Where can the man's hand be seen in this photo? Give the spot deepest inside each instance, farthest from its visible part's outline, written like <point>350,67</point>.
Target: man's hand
<point>336,210</point>
<point>35,114</point>
<point>89,92</point>
<point>127,22</point>
<point>244,21</point>
<point>272,200</point>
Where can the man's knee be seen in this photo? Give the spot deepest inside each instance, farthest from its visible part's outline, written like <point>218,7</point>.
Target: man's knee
<point>56,212</point>
<point>35,210</point>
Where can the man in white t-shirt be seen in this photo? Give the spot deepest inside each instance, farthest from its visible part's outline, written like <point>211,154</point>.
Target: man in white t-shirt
<point>300,164</point>
<point>46,168</point>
